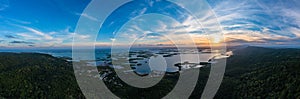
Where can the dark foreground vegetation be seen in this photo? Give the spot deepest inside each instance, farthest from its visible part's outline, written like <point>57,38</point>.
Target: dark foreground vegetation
<point>255,72</point>
<point>32,75</point>
<point>121,89</point>
<point>252,72</point>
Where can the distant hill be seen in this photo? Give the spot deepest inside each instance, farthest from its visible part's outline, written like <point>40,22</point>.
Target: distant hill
<point>33,75</point>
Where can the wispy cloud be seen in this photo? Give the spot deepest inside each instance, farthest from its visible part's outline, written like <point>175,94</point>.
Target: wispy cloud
<point>292,16</point>
<point>4,4</point>
<point>242,22</point>
<point>256,21</point>
<point>62,37</point>
<point>27,36</point>
<point>247,22</point>
<point>87,16</point>
<point>44,35</point>
<point>19,21</point>
<point>21,42</point>
<point>79,36</point>
<point>31,45</point>
<point>10,36</point>
<point>295,31</point>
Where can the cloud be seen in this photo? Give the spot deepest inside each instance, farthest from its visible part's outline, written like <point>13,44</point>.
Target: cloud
<point>44,35</point>
<point>243,22</point>
<point>247,22</point>
<point>230,40</point>
<point>29,37</point>
<point>19,21</point>
<point>48,39</point>
<point>292,16</point>
<point>78,36</point>
<point>21,42</point>
<point>87,16</point>
<point>31,45</point>
<point>256,21</point>
<point>295,31</point>
<point>112,39</point>
<point>143,11</point>
<point>10,36</point>
<point>4,4</point>
<point>237,41</point>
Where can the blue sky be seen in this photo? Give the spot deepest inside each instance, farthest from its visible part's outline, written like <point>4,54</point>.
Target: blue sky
<point>52,23</point>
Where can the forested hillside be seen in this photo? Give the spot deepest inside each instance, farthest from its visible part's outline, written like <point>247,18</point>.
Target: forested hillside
<point>32,75</point>
<point>255,72</point>
<point>252,72</point>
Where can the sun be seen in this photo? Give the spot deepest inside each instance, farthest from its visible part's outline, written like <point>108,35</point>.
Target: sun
<point>216,39</point>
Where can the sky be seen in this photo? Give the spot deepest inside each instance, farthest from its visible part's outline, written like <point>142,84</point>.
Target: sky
<point>53,23</point>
